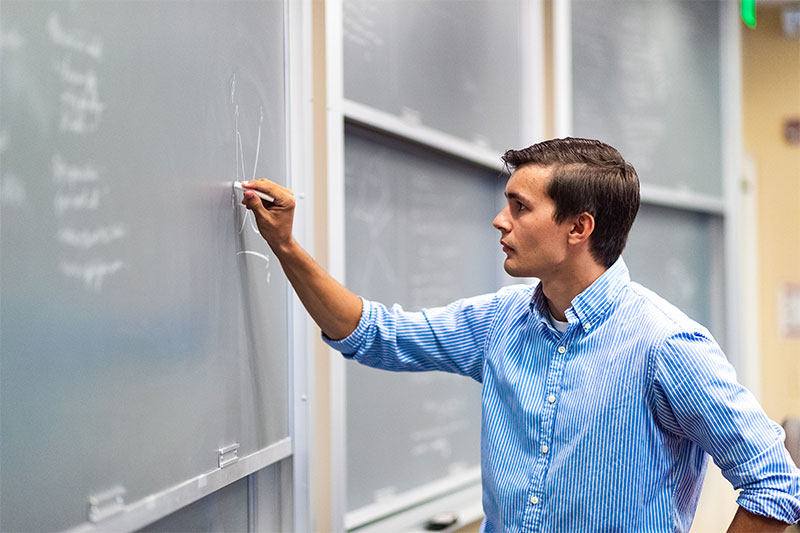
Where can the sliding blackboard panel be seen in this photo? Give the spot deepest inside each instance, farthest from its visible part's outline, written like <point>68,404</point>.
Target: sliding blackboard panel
<point>143,322</point>
<point>452,65</point>
<point>647,79</point>
<point>419,233</point>
<point>678,254</point>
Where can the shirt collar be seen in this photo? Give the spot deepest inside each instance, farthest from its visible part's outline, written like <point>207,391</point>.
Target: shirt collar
<point>591,304</point>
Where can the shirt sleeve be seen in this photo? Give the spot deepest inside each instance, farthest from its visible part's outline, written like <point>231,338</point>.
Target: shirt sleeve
<point>450,339</point>
<point>699,398</point>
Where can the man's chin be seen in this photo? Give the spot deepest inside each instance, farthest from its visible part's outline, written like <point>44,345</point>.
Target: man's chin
<point>514,271</point>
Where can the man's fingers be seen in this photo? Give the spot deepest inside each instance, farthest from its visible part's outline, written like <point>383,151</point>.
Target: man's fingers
<point>272,189</point>
<point>253,202</point>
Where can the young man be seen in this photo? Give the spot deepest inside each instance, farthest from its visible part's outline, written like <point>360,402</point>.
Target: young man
<point>600,401</point>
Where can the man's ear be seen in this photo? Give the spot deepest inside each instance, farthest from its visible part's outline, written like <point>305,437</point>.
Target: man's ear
<point>582,228</point>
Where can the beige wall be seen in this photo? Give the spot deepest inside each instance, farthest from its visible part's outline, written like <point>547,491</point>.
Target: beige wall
<point>319,358</point>
<point>770,93</point>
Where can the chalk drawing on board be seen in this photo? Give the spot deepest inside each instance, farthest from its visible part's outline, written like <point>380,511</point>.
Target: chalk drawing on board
<point>79,188</point>
<point>93,273</point>
<point>372,206</point>
<point>436,440</point>
<point>385,494</point>
<point>81,107</point>
<point>240,168</point>
<point>360,25</point>
<point>74,40</point>
<point>12,188</point>
<point>84,200</point>
<point>246,214</point>
<point>88,239</point>
<point>680,276</point>
<point>70,174</point>
<point>258,254</point>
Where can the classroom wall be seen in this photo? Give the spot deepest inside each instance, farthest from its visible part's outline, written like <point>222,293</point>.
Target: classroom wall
<point>770,64</point>
<point>770,94</point>
<point>319,359</point>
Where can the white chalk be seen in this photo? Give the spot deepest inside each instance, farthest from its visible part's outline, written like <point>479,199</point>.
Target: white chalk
<point>263,196</point>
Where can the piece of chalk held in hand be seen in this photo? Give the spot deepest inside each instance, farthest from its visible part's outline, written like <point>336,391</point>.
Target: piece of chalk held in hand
<point>262,195</point>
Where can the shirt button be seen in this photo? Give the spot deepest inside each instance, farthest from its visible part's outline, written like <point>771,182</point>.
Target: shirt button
<point>534,500</point>
<point>545,449</point>
<point>551,398</point>
<point>562,349</point>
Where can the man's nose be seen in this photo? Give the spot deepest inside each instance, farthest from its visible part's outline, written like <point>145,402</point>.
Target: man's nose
<point>500,222</point>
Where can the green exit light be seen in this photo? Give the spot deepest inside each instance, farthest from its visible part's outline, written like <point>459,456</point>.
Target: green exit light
<point>749,13</point>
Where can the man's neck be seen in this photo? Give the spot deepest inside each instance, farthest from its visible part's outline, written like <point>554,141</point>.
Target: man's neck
<point>563,287</point>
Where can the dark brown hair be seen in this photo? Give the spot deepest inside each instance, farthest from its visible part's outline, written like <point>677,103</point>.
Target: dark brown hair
<point>587,176</point>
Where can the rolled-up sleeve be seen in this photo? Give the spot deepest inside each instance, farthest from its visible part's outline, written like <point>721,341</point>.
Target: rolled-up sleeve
<point>699,398</point>
<point>450,339</point>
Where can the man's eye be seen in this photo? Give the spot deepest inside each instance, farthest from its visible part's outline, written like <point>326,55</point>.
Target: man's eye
<point>520,207</point>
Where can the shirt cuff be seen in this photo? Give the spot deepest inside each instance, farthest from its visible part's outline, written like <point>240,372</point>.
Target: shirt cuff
<point>350,344</point>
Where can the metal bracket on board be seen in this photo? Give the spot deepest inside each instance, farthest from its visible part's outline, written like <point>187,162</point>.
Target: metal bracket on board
<point>228,455</point>
<point>105,504</point>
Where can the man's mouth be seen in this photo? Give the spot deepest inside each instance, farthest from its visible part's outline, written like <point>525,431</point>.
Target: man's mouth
<point>506,247</point>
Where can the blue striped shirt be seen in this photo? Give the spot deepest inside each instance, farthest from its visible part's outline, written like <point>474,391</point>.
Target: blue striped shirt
<point>606,427</point>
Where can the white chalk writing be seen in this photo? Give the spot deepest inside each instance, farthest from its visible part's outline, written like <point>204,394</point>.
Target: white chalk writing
<point>92,273</point>
<point>240,172</point>
<point>74,40</point>
<point>84,200</point>
<point>81,111</point>
<point>86,239</point>
<point>79,186</point>
<point>66,173</point>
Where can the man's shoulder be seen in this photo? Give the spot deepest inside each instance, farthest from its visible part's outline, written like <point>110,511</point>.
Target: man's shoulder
<point>516,295</point>
<point>654,312</point>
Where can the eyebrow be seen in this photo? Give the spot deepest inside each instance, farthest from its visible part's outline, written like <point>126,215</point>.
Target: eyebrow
<point>514,196</point>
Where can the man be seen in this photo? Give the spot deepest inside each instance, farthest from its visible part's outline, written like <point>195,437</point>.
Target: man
<point>600,400</point>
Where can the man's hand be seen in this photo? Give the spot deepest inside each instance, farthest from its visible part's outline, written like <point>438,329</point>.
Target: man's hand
<point>274,219</point>
<point>335,309</point>
<point>747,522</point>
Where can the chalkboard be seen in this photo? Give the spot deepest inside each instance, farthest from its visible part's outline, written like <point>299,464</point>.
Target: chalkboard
<point>678,254</point>
<point>647,80</point>
<point>419,233</point>
<point>453,65</point>
<point>143,321</point>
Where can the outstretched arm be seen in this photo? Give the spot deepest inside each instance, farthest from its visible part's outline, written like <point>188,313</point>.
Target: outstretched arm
<point>335,309</point>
